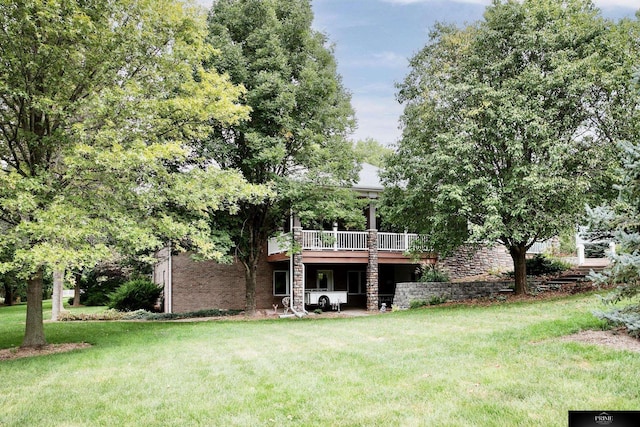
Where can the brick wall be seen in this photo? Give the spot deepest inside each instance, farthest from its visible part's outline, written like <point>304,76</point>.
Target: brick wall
<point>407,292</point>
<point>472,261</point>
<point>207,284</point>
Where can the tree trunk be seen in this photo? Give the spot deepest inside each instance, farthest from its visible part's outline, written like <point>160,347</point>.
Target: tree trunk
<point>58,285</point>
<point>250,283</point>
<point>34,329</point>
<point>8,294</point>
<point>76,292</point>
<point>518,255</point>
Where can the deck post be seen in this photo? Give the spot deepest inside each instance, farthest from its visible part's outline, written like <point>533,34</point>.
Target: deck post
<point>372,271</point>
<point>580,248</point>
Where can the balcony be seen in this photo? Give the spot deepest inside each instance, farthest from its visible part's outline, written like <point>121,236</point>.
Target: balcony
<point>313,240</point>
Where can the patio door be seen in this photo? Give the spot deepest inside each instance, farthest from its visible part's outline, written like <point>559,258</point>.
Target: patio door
<point>357,282</point>
<point>324,280</point>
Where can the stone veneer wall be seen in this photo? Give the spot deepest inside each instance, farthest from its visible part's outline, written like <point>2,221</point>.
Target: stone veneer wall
<point>372,271</point>
<point>298,273</point>
<point>407,292</point>
<point>472,261</point>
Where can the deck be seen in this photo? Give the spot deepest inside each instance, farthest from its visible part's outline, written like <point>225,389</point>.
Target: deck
<point>347,247</point>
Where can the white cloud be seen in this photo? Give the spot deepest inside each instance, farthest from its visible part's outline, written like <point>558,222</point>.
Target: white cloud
<point>628,4</point>
<point>377,118</point>
<point>431,1</point>
<point>386,59</point>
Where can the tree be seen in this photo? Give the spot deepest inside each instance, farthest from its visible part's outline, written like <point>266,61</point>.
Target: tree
<point>100,104</point>
<point>619,221</point>
<point>371,151</point>
<point>508,124</point>
<point>294,141</point>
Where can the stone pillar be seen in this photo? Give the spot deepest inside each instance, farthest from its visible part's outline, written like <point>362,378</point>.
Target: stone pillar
<point>298,271</point>
<point>372,271</point>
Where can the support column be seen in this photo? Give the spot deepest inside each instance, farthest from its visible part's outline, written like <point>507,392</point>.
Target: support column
<point>298,271</point>
<point>372,271</point>
<point>580,248</point>
<point>372,216</point>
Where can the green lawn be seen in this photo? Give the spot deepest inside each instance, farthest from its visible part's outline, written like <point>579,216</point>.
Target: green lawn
<point>445,366</point>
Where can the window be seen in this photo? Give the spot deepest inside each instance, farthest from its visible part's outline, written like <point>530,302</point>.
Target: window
<point>356,282</point>
<point>281,282</point>
<point>325,280</point>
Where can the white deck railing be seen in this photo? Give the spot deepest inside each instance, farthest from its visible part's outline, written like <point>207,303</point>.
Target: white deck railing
<point>334,240</point>
<point>400,242</point>
<point>540,247</point>
<point>346,241</point>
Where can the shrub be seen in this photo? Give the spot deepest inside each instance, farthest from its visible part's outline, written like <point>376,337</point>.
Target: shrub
<point>434,300</point>
<point>68,316</point>
<point>431,273</point>
<point>595,250</point>
<point>417,303</point>
<point>99,283</point>
<point>541,265</point>
<point>112,314</point>
<point>138,294</point>
<point>437,300</point>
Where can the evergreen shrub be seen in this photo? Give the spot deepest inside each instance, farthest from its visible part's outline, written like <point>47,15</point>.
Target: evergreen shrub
<point>137,294</point>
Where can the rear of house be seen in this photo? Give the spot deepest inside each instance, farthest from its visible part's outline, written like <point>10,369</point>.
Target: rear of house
<point>363,266</point>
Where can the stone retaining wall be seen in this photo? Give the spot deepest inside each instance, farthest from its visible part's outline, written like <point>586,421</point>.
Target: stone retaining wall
<point>407,292</point>
<point>474,260</point>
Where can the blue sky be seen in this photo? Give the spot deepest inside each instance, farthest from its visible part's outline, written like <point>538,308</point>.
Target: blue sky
<point>373,40</point>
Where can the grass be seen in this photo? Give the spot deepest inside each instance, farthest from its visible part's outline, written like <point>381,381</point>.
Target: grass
<point>445,366</point>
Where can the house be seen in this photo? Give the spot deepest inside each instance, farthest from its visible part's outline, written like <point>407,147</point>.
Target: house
<point>365,265</point>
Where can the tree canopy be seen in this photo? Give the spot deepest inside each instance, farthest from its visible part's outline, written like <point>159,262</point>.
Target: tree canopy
<point>509,124</point>
<point>101,104</point>
<point>294,140</point>
<point>371,151</point>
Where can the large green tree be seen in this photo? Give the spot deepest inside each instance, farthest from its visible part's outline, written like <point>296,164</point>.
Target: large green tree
<point>371,151</point>
<point>509,124</point>
<point>294,140</point>
<point>100,104</point>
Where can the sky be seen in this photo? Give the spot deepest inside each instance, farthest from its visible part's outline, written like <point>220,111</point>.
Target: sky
<point>374,39</point>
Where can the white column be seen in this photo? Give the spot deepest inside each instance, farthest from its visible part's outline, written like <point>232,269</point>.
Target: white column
<point>580,247</point>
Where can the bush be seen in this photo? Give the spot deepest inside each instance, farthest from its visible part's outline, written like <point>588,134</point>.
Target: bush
<point>595,250</point>
<point>541,265</point>
<point>434,300</point>
<point>112,314</point>
<point>138,294</point>
<point>431,273</point>
<point>68,316</point>
<point>99,283</point>
<point>417,303</point>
